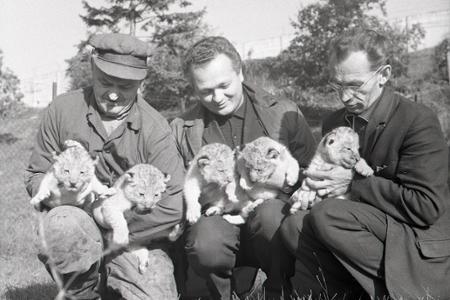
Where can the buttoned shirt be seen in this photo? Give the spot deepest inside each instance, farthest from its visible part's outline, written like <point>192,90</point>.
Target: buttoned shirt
<point>143,137</point>
<point>359,122</point>
<point>243,126</point>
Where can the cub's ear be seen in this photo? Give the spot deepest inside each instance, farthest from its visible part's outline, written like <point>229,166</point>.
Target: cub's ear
<point>329,139</point>
<point>94,158</point>
<point>54,155</point>
<point>272,153</point>
<point>166,177</point>
<point>129,178</point>
<point>202,161</point>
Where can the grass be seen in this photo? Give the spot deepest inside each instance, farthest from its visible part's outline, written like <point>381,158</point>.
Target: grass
<point>22,276</point>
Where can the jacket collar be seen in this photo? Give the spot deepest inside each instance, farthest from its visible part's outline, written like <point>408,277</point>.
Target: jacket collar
<point>380,116</point>
<point>256,95</point>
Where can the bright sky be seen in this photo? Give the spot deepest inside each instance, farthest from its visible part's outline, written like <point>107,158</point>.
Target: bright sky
<point>37,36</point>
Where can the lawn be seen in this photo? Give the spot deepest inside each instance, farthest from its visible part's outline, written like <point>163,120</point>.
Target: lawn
<point>22,276</point>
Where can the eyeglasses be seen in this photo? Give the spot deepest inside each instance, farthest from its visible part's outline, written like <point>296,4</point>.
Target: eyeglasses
<point>354,88</point>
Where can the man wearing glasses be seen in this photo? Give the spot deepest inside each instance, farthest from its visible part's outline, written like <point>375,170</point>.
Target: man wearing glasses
<point>391,237</point>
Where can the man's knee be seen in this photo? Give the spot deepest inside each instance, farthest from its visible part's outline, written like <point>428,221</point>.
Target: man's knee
<point>70,240</point>
<point>211,244</point>
<point>266,219</point>
<point>327,215</point>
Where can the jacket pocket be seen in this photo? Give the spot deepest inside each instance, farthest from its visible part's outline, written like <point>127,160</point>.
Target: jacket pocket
<point>434,248</point>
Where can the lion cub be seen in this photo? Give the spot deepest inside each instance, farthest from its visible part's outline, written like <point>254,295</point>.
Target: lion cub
<point>339,147</point>
<point>266,169</point>
<point>71,180</point>
<point>212,175</point>
<point>140,188</point>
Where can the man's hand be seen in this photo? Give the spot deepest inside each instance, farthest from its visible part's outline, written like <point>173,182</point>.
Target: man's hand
<point>329,183</point>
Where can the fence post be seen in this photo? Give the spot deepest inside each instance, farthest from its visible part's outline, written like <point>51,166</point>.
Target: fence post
<point>54,90</point>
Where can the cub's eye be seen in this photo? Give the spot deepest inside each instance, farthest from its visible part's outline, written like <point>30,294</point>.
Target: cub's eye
<point>157,194</point>
<point>66,171</point>
<point>331,142</point>
<point>82,172</point>
<point>142,194</point>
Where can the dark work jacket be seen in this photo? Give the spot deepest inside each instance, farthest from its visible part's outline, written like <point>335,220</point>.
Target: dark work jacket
<point>280,119</point>
<point>143,137</point>
<point>405,147</point>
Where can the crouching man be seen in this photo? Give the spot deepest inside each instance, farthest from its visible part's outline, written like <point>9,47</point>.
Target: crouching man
<point>118,127</point>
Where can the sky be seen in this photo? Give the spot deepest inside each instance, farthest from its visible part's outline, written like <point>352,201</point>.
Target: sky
<point>37,36</point>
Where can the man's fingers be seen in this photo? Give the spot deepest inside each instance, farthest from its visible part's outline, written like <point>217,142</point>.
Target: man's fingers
<point>323,192</point>
<point>317,184</point>
<point>318,174</point>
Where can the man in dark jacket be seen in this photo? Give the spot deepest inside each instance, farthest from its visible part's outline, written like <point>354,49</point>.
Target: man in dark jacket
<point>392,235</point>
<point>112,121</point>
<point>233,113</point>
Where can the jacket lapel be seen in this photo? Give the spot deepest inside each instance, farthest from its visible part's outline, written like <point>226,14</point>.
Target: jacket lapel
<point>194,128</point>
<point>377,122</point>
<point>260,100</point>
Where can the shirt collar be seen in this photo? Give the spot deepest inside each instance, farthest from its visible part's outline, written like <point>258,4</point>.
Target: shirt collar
<point>365,115</point>
<point>240,113</point>
<point>133,119</point>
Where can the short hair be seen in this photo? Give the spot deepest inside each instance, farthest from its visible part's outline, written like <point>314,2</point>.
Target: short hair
<point>209,48</point>
<point>373,43</point>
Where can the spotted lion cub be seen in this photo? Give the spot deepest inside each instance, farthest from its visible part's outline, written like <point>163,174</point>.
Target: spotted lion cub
<point>71,180</point>
<point>140,188</point>
<point>339,147</point>
<point>266,168</point>
<point>212,175</point>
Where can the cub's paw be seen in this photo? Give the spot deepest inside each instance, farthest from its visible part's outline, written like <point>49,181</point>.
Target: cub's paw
<point>143,261</point>
<point>251,206</point>
<point>302,200</point>
<point>38,198</point>
<point>363,168</point>
<point>120,240</point>
<point>107,192</point>
<point>235,220</point>
<point>36,202</point>
<point>193,214</point>
<point>214,211</point>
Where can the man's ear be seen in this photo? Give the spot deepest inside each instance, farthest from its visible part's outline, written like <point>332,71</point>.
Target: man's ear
<point>385,75</point>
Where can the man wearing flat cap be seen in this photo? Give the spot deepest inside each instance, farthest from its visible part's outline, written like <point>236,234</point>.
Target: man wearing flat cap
<point>114,123</point>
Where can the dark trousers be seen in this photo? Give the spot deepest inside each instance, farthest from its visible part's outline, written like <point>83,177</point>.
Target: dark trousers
<point>339,246</point>
<point>214,247</point>
<point>69,231</point>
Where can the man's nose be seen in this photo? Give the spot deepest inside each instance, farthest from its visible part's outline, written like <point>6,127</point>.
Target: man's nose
<point>217,96</point>
<point>113,96</point>
<point>347,95</point>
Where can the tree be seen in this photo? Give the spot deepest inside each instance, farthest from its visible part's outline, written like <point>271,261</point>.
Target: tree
<point>304,62</point>
<point>165,86</point>
<point>168,24</point>
<point>79,69</point>
<point>10,94</point>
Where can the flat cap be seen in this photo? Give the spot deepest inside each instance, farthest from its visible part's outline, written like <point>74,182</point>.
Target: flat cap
<point>120,55</point>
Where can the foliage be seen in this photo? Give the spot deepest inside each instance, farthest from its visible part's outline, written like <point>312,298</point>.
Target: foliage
<point>169,26</point>
<point>118,13</point>
<point>10,94</point>
<point>440,60</point>
<point>165,86</point>
<point>305,61</point>
<point>79,68</point>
